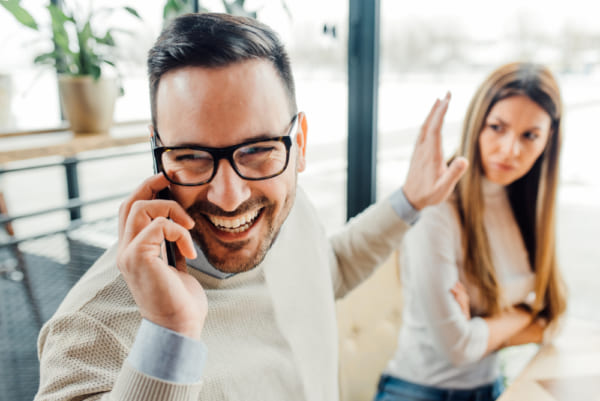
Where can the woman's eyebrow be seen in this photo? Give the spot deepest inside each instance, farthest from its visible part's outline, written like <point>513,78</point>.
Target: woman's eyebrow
<point>496,118</point>
<point>502,122</point>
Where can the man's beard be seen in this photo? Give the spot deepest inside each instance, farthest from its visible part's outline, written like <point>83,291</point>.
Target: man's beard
<point>228,262</point>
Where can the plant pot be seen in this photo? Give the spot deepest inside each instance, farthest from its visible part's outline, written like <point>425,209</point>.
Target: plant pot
<point>88,104</point>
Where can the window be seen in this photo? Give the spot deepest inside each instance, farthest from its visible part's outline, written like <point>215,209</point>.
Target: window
<point>431,47</point>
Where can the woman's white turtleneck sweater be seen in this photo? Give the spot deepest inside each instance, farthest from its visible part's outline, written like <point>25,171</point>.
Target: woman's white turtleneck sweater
<point>437,345</point>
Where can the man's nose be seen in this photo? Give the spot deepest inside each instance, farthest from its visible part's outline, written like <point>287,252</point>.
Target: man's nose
<point>227,189</point>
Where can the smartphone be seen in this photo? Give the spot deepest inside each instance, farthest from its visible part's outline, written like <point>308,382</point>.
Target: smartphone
<point>164,194</point>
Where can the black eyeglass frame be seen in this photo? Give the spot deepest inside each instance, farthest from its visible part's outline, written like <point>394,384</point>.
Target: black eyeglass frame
<point>224,153</point>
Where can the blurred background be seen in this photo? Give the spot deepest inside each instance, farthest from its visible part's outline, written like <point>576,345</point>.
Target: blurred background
<point>426,48</point>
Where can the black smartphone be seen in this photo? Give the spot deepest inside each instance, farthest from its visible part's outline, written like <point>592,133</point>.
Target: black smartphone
<point>163,194</point>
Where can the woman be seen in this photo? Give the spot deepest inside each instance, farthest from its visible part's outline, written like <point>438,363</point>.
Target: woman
<point>480,270</point>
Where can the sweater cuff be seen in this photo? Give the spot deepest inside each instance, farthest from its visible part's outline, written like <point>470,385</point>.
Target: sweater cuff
<point>403,208</point>
<point>133,385</point>
<point>480,333</point>
<point>167,355</point>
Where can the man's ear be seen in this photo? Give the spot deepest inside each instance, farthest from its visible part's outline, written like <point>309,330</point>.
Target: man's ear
<point>301,141</point>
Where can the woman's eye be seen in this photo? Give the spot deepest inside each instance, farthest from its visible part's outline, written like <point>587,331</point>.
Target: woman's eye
<point>495,127</point>
<point>530,136</point>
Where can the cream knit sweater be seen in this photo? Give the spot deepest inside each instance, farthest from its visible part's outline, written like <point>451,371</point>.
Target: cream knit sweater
<point>437,345</point>
<point>271,332</point>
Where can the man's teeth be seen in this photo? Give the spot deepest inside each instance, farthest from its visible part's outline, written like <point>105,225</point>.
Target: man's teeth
<point>236,225</point>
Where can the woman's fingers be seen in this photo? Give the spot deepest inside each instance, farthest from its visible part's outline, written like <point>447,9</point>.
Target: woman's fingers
<point>462,298</point>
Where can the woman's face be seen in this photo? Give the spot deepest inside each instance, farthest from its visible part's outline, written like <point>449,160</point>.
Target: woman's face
<point>514,135</point>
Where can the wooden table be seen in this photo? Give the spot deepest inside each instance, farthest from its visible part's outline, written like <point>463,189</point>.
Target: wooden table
<point>567,370</point>
<point>22,145</point>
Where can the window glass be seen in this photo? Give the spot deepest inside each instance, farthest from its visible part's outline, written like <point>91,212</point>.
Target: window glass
<point>314,32</point>
<point>316,37</point>
<point>28,94</point>
<point>430,47</point>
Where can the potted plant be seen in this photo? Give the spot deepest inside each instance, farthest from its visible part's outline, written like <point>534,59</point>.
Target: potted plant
<point>79,53</point>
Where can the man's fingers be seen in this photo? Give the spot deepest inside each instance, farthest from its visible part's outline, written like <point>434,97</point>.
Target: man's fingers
<point>180,263</point>
<point>456,169</point>
<point>450,177</point>
<point>161,229</point>
<point>146,191</point>
<point>434,131</point>
<point>174,232</point>
<point>142,212</point>
<point>427,122</point>
<point>434,118</point>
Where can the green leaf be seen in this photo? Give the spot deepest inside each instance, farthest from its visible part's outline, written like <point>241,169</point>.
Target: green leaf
<point>107,39</point>
<point>59,33</point>
<point>80,54</point>
<point>46,58</point>
<point>84,35</point>
<point>21,15</point>
<point>174,8</point>
<point>83,40</point>
<point>132,12</point>
<point>95,72</point>
<point>96,63</point>
<point>169,9</point>
<point>58,16</point>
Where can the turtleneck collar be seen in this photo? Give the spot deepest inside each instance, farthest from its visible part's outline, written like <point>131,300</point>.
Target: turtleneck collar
<point>491,189</point>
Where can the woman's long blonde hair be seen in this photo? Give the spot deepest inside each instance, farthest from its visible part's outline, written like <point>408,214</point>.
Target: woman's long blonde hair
<point>532,197</point>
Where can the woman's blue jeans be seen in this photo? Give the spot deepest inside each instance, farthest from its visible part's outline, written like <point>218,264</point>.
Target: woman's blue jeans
<point>394,389</point>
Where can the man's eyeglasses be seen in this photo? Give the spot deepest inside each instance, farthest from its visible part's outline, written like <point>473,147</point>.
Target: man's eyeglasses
<point>258,159</point>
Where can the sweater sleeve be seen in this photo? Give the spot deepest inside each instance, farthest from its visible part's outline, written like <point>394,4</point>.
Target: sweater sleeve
<point>364,243</point>
<point>167,355</point>
<point>431,253</point>
<point>82,359</point>
<point>403,207</point>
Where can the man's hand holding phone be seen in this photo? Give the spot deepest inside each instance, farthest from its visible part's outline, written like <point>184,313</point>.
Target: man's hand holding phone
<point>166,296</point>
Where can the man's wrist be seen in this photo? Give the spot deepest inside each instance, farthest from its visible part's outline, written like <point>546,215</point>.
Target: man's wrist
<point>166,354</point>
<point>403,208</point>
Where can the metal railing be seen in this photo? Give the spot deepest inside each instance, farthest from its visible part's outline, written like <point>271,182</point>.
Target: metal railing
<point>74,203</point>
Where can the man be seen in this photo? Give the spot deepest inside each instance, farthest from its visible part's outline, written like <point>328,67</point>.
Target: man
<point>248,312</point>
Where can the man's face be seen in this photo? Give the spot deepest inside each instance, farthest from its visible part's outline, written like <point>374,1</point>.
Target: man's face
<point>236,220</point>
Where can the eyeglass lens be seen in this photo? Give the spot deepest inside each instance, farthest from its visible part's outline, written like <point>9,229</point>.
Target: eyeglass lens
<point>253,161</point>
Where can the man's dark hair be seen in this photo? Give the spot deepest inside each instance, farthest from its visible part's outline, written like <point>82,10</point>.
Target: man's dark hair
<point>214,40</point>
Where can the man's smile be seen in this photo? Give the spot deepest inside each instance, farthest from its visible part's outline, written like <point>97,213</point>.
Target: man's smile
<point>236,224</point>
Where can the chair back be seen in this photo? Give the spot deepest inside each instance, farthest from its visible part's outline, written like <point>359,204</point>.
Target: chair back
<point>369,320</point>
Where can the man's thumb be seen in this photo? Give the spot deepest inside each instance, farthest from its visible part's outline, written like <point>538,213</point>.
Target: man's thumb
<point>455,171</point>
